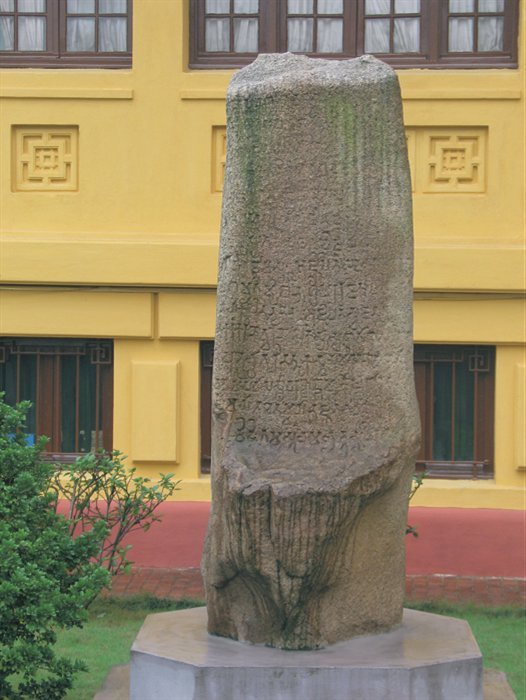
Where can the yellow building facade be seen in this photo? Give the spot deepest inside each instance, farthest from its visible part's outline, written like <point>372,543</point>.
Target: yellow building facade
<point>110,202</point>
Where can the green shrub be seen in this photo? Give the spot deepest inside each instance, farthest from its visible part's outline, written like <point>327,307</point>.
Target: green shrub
<point>46,576</point>
<point>99,488</point>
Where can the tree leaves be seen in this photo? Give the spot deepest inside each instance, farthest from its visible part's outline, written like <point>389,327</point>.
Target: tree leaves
<point>46,576</point>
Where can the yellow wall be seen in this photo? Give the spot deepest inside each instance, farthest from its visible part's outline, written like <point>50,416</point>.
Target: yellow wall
<point>129,250</point>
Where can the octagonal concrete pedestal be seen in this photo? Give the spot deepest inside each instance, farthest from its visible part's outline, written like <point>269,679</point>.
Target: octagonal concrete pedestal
<point>429,657</point>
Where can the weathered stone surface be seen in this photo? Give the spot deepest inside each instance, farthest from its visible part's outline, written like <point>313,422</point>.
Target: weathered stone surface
<point>117,684</point>
<point>315,416</point>
<point>428,657</point>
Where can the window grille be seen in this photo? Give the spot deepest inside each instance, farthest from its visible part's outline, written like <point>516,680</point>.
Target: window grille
<point>70,386</point>
<point>455,389</point>
<point>207,361</point>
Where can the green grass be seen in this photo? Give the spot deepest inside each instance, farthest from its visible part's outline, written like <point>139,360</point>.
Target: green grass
<point>106,639</point>
<point>500,634</point>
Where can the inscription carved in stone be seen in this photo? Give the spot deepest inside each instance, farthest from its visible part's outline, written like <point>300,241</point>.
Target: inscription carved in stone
<point>315,423</point>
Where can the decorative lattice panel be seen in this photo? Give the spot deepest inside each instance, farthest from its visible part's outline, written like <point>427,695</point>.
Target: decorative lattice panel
<point>450,160</point>
<point>45,158</point>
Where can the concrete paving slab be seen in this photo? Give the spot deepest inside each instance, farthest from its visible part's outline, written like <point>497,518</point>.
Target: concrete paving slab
<point>116,685</point>
<point>496,686</point>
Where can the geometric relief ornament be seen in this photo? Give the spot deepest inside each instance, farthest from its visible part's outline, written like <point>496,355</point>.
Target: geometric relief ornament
<point>455,160</point>
<point>410,139</point>
<point>44,158</point>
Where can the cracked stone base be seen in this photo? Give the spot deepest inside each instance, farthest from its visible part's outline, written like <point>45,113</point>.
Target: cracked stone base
<point>429,657</point>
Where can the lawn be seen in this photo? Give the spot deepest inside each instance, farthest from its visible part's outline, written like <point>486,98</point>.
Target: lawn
<point>106,639</point>
<point>501,636</point>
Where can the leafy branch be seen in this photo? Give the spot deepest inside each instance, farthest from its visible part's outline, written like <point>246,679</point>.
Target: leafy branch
<point>418,480</point>
<point>101,489</point>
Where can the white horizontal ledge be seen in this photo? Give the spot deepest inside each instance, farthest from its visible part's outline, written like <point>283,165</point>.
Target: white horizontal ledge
<point>202,94</point>
<point>459,94</point>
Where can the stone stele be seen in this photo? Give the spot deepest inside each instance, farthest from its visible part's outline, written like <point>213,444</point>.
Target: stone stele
<point>315,421</point>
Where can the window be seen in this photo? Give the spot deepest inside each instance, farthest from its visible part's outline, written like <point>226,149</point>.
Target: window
<point>438,33</point>
<point>207,360</point>
<point>455,387</point>
<point>70,386</point>
<point>65,33</point>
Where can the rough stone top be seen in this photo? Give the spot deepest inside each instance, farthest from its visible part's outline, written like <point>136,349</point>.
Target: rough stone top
<point>287,72</point>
